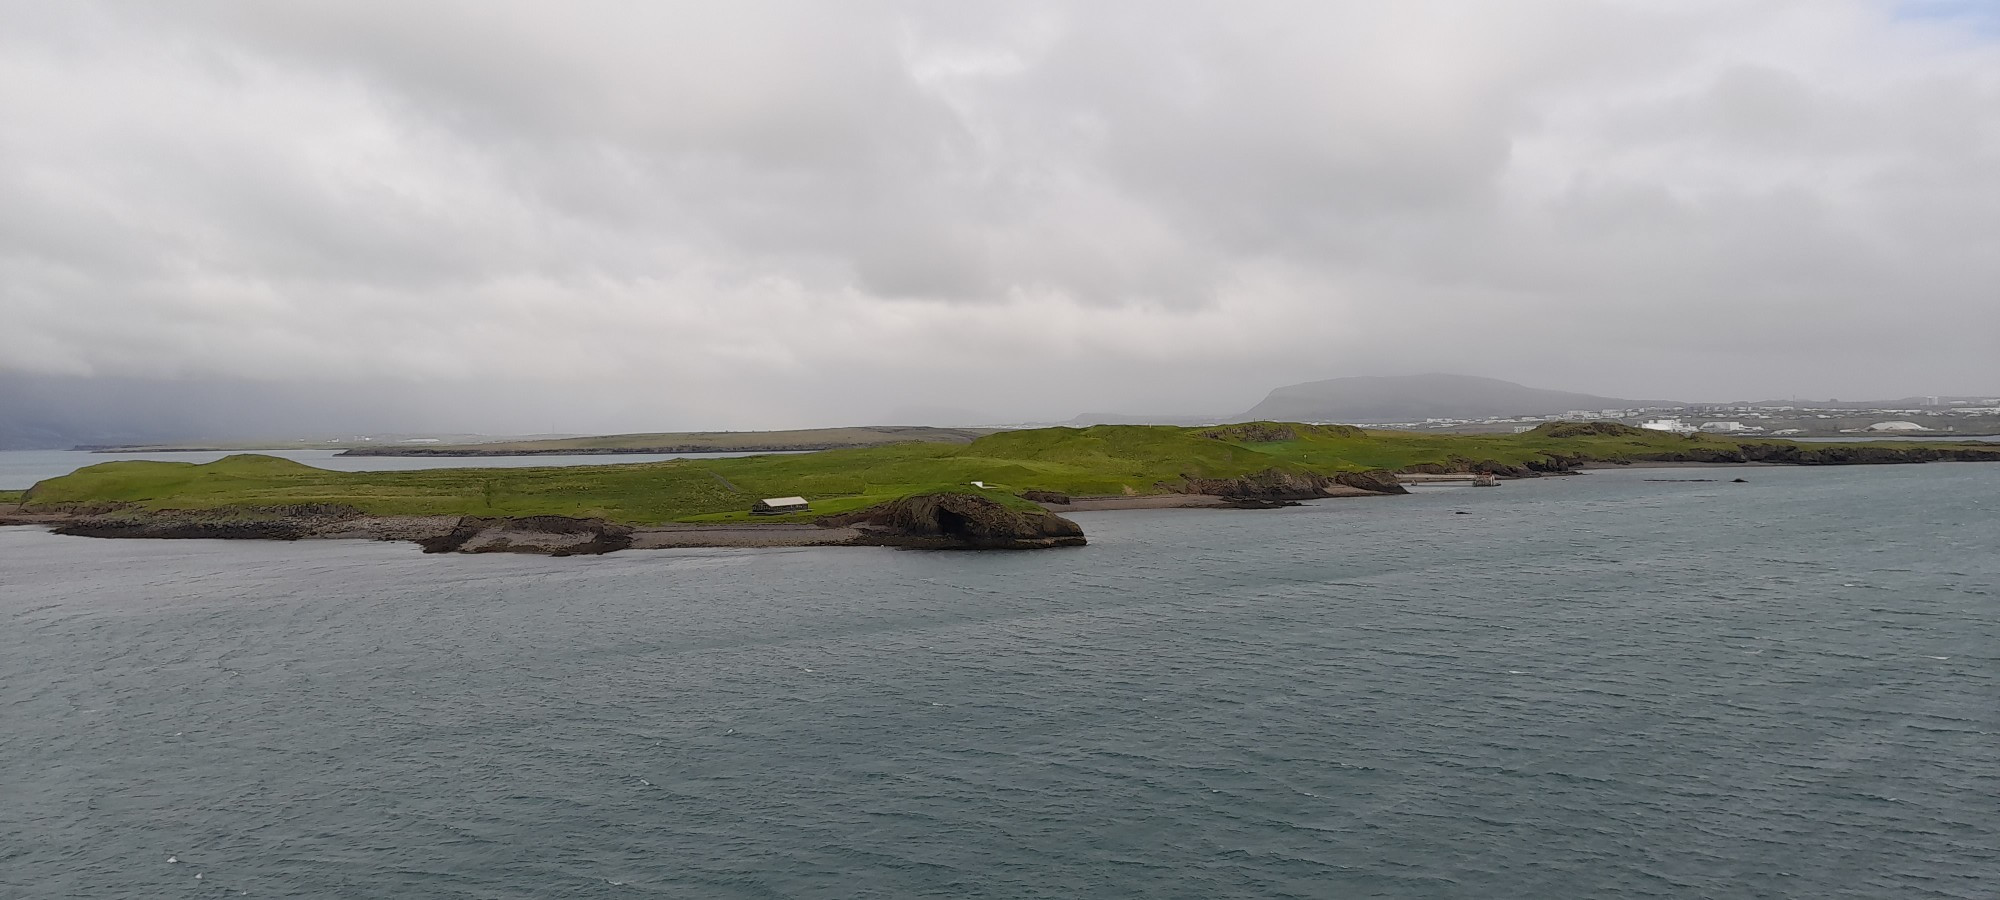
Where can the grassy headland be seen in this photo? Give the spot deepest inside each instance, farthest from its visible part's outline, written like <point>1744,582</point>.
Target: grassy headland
<point>1102,460</point>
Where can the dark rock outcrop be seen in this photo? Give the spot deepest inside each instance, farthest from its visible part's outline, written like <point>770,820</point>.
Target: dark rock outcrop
<point>1255,503</point>
<point>1376,481</point>
<point>549,535</point>
<point>1045,497</point>
<point>266,523</point>
<point>958,521</point>
<point>1270,484</point>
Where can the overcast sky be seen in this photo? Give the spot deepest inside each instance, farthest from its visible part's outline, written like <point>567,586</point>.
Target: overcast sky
<point>587,216</point>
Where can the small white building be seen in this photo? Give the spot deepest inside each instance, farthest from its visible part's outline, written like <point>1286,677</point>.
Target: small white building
<point>772,506</point>
<point>1729,427</point>
<point>1674,425</point>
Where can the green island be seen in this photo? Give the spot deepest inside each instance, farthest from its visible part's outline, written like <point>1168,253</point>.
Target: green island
<point>1008,479</point>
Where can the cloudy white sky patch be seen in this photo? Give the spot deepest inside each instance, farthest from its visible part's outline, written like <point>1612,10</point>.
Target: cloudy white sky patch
<point>763,213</point>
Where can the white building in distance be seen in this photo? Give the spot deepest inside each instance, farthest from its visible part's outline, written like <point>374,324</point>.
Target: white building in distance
<point>1674,425</point>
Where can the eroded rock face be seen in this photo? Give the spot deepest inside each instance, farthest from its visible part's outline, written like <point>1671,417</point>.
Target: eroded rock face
<point>1272,484</point>
<point>958,521</point>
<point>1269,484</point>
<point>548,535</point>
<point>1379,481</point>
<point>269,523</point>
<point>1045,497</point>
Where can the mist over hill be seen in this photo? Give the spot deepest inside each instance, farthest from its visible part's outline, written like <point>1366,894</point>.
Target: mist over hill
<point>1407,398</point>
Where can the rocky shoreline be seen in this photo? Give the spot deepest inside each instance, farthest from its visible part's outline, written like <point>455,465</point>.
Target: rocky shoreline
<point>933,521</point>
<point>939,522</point>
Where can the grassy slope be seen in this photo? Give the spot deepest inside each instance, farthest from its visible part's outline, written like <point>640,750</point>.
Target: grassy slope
<point>1110,459</point>
<point>719,441</point>
<point>11,496</point>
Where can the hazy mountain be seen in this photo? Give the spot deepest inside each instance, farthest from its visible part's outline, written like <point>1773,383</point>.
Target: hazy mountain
<point>1409,398</point>
<point>1092,418</point>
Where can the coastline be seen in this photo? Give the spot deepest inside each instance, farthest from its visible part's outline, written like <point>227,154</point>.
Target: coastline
<point>562,536</point>
<point>533,534</point>
<point>919,491</point>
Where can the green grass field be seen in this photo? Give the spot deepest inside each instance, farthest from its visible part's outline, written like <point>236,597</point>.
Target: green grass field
<point>11,496</point>
<point>694,441</point>
<point>1103,460</point>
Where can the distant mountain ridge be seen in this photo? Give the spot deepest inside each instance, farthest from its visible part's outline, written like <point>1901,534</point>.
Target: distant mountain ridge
<point>1412,398</point>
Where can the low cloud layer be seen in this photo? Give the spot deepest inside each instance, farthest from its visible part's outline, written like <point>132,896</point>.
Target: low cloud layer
<point>616,215</point>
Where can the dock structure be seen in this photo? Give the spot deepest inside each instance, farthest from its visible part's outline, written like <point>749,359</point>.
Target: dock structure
<point>773,506</point>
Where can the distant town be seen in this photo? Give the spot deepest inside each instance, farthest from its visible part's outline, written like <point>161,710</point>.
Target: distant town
<point>1931,416</point>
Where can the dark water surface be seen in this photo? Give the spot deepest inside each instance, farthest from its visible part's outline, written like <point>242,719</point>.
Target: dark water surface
<point>1587,687</point>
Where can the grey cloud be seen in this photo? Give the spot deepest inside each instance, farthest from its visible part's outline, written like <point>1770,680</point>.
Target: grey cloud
<point>767,213</point>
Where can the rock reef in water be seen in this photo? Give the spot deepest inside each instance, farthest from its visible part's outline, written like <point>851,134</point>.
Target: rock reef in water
<point>958,521</point>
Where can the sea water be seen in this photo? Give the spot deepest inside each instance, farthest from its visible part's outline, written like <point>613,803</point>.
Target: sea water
<point>1597,686</point>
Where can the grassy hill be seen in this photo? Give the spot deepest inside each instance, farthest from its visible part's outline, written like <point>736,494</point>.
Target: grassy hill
<point>1101,460</point>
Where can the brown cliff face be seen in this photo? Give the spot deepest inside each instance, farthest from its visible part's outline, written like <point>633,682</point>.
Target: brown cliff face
<point>1377,481</point>
<point>958,521</point>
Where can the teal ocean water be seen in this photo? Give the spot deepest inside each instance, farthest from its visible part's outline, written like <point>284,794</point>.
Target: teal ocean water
<point>1596,686</point>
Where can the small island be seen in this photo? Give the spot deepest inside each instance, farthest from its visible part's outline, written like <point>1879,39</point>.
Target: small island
<point>1003,490</point>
